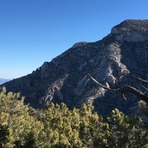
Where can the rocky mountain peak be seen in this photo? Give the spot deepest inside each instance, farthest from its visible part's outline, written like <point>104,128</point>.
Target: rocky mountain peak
<point>131,30</point>
<point>112,61</point>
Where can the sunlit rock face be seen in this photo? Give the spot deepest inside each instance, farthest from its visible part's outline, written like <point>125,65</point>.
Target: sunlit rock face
<point>112,61</point>
<point>131,30</point>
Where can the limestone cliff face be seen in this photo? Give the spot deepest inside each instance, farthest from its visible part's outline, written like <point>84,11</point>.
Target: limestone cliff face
<point>112,61</point>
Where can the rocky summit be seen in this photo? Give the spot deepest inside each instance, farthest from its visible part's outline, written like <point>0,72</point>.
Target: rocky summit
<point>112,61</point>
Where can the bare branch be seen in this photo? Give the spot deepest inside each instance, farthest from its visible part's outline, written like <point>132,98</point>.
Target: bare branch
<point>101,85</point>
<point>123,95</point>
<point>123,90</point>
<point>144,88</point>
<point>138,78</point>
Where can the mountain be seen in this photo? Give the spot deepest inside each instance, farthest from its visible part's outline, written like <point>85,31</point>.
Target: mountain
<point>112,61</point>
<point>3,80</point>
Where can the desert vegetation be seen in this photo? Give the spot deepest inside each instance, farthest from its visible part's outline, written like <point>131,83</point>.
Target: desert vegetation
<point>56,126</point>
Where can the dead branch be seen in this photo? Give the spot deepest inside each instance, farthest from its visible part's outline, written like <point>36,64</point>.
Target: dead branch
<point>140,79</point>
<point>122,90</point>
<point>144,88</point>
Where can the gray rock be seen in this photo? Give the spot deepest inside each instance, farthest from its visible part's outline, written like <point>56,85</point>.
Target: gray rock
<point>131,30</point>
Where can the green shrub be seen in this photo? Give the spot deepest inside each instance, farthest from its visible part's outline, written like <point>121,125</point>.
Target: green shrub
<point>59,127</point>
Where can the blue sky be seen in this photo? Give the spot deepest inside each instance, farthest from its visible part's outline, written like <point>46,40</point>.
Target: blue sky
<point>34,31</point>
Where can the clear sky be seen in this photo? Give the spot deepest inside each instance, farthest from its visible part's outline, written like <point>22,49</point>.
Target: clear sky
<point>34,31</point>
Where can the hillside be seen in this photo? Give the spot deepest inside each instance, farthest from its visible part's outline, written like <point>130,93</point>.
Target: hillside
<point>112,61</point>
<point>3,80</point>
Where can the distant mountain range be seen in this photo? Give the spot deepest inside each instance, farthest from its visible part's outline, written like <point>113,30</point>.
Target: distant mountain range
<point>3,80</point>
<point>112,61</point>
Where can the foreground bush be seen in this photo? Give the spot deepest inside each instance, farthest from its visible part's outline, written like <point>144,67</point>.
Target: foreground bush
<point>58,127</point>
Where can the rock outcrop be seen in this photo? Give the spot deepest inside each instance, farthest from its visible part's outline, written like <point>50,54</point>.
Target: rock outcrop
<point>131,30</point>
<point>111,60</point>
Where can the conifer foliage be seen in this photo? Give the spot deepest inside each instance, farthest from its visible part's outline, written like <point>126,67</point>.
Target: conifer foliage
<point>56,126</point>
